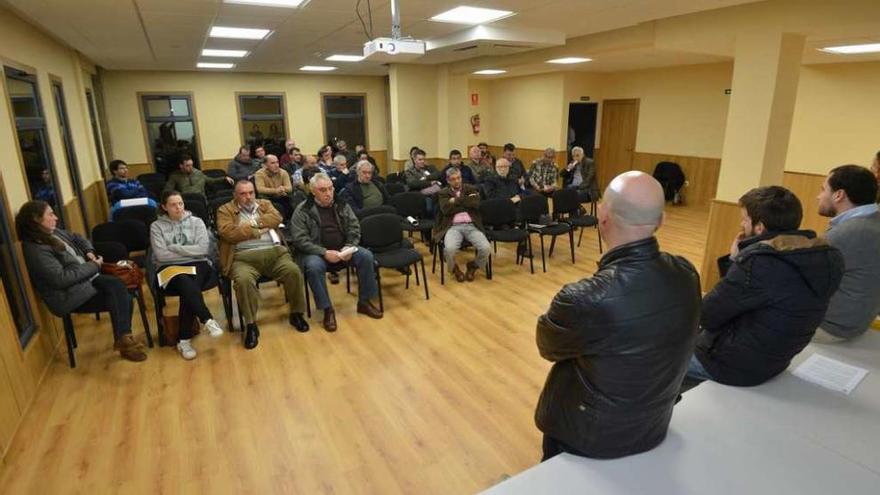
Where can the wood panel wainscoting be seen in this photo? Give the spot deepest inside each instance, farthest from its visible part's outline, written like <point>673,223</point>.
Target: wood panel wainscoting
<point>806,187</point>
<point>74,217</point>
<point>701,174</point>
<point>97,204</point>
<point>724,220</point>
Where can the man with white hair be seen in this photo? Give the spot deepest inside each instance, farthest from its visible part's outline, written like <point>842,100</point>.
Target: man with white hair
<point>543,173</point>
<point>340,175</point>
<point>620,340</point>
<point>365,192</point>
<point>326,234</point>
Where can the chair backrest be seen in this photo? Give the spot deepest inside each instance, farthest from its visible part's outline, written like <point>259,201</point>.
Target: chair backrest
<point>531,207</point>
<point>143,213</point>
<point>199,209</point>
<point>566,202</point>
<point>498,212</point>
<point>111,251</point>
<point>410,204</point>
<point>194,197</point>
<point>381,232</point>
<point>668,171</point>
<point>107,232</point>
<point>393,177</point>
<point>151,177</point>
<point>154,188</point>
<point>395,188</point>
<point>132,234</point>
<point>214,172</point>
<point>376,210</point>
<point>215,190</point>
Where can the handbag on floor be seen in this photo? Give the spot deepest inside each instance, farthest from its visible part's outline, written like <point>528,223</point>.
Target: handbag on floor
<point>171,328</point>
<point>126,270</point>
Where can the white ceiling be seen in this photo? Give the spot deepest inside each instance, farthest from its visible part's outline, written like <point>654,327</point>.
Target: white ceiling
<point>170,34</point>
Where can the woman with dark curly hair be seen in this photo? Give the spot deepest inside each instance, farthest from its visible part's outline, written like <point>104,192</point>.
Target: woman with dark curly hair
<point>66,273</point>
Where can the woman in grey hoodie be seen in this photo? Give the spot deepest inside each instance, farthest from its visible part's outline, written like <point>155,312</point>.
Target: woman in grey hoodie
<point>179,238</point>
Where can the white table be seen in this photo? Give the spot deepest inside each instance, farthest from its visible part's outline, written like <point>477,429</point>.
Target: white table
<point>786,436</point>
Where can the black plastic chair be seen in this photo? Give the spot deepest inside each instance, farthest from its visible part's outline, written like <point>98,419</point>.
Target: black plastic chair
<point>214,173</point>
<point>192,197</point>
<point>151,177</point>
<point>133,234</point>
<point>534,210</point>
<point>500,222</point>
<point>383,236</point>
<point>116,251</point>
<point>376,210</point>
<point>199,209</point>
<point>567,208</point>
<point>142,213</point>
<point>395,188</point>
<point>412,204</point>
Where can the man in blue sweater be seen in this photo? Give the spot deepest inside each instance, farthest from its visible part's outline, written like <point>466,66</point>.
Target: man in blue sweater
<point>848,196</point>
<point>121,187</point>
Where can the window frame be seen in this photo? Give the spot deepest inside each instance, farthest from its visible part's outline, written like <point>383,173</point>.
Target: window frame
<point>73,171</point>
<point>365,116</point>
<point>242,117</point>
<point>16,277</point>
<point>95,124</point>
<point>142,97</point>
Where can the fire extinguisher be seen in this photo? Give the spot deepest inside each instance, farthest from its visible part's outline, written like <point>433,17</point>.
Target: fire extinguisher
<point>475,123</point>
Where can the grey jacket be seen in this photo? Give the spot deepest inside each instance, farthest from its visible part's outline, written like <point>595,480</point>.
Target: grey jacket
<point>242,170</point>
<point>857,301</point>
<point>185,241</point>
<point>305,228</point>
<point>61,280</point>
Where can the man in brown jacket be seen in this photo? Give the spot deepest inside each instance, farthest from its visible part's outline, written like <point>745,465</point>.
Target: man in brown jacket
<point>250,247</point>
<point>459,220</point>
<point>273,183</point>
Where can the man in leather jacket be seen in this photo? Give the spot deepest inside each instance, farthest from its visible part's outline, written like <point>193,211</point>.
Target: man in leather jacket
<point>620,341</point>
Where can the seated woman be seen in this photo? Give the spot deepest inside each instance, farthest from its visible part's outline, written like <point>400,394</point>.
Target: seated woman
<point>66,274</point>
<point>179,238</point>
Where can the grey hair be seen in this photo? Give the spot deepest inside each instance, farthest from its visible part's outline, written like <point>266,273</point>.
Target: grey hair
<point>320,176</point>
<point>340,159</point>
<point>452,171</point>
<point>577,148</point>
<point>361,164</point>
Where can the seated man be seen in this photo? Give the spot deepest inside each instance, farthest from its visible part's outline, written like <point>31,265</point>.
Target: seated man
<point>291,161</point>
<point>362,154</point>
<point>340,175</point>
<point>242,167</point>
<point>422,176</point>
<point>274,184</point>
<point>459,220</point>
<point>250,247</point>
<point>504,184</point>
<point>121,187</point>
<point>480,164</point>
<point>620,340</point>
<point>543,173</point>
<point>322,229</point>
<point>517,169</point>
<point>188,179</point>
<point>259,157</point>
<point>467,175</point>
<point>776,287</point>
<point>848,196</point>
<point>365,192</point>
<point>310,163</point>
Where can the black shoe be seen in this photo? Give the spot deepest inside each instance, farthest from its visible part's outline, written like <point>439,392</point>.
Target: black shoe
<point>298,322</point>
<point>251,336</point>
<point>334,278</point>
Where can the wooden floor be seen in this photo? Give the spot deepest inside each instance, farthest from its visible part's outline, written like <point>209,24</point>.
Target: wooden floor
<point>437,397</point>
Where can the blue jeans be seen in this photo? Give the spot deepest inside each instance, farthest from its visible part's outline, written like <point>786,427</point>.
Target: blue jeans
<point>315,268</point>
<point>696,370</point>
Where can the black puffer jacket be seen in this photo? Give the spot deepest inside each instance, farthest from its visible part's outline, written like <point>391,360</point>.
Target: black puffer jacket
<point>767,307</point>
<point>621,341</point>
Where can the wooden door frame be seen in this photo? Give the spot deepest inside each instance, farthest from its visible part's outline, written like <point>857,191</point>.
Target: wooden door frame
<point>603,144</point>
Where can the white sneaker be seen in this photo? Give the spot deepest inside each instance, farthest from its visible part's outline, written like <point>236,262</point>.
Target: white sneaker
<point>214,329</point>
<point>186,350</point>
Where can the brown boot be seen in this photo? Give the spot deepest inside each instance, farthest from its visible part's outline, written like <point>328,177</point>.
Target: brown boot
<point>456,271</point>
<point>330,320</point>
<point>471,271</point>
<point>130,349</point>
<point>367,308</point>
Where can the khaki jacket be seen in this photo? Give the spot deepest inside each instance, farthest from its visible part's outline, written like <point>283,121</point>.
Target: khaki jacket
<point>231,232</point>
<point>268,183</point>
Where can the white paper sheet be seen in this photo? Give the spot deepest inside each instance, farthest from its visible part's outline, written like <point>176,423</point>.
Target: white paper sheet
<point>830,373</point>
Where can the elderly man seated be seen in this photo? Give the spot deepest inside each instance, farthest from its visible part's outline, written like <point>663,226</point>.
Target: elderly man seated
<point>365,192</point>
<point>459,220</point>
<point>326,234</point>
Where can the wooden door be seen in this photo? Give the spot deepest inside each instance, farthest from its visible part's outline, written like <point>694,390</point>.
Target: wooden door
<point>620,122</point>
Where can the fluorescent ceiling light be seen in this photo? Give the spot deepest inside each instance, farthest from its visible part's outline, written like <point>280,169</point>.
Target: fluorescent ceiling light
<point>344,58</point>
<point>214,65</point>
<point>317,68</point>
<point>489,72</point>
<point>290,4</point>
<point>210,52</point>
<point>851,49</point>
<point>239,33</point>
<point>471,15</point>
<point>569,60</point>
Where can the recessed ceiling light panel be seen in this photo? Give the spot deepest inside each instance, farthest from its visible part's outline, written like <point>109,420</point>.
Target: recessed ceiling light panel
<point>569,60</point>
<point>471,15</point>
<point>239,33</point>
<point>489,72</point>
<point>290,4</point>
<point>214,65</point>
<point>344,58</point>
<point>853,49</point>
<point>211,52</point>
<point>317,68</point>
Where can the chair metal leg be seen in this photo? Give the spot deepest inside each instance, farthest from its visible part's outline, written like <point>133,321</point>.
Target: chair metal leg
<point>139,295</point>
<point>552,245</point>
<point>159,305</point>
<point>348,279</point>
<point>531,256</point>
<point>543,260</point>
<point>489,268</point>
<point>379,283</point>
<point>425,278</point>
<point>70,339</point>
<point>225,287</point>
<point>580,236</point>
<point>599,233</point>
<point>407,281</point>
<point>308,303</point>
<point>571,243</point>
<point>433,257</point>
<point>416,271</point>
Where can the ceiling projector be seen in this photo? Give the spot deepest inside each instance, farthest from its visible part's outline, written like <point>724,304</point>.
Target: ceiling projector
<point>393,50</point>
